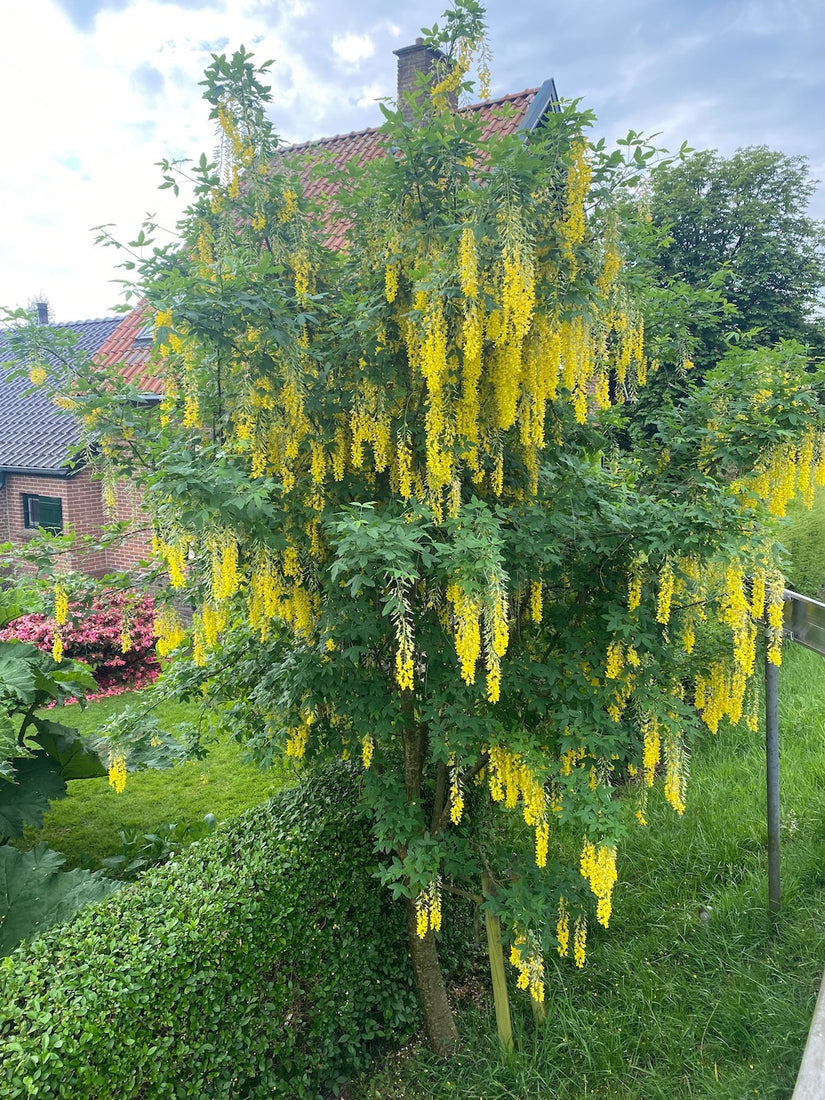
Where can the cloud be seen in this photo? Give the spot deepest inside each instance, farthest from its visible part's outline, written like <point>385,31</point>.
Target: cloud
<point>352,48</point>
<point>112,86</point>
<point>83,13</point>
<point>148,81</point>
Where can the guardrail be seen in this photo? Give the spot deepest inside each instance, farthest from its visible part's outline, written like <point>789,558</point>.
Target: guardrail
<point>804,623</point>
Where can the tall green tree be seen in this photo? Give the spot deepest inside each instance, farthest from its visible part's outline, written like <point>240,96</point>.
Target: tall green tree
<point>389,481</point>
<point>740,224</point>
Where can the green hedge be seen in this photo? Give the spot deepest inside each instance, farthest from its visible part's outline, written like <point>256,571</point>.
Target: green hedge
<point>266,962</point>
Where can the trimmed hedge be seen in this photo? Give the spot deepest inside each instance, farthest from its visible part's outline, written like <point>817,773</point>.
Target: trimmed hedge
<point>265,962</point>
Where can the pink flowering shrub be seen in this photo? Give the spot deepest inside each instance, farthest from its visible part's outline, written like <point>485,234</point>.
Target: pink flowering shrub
<point>113,633</point>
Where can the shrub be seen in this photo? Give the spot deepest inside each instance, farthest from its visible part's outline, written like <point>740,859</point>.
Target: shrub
<point>113,633</point>
<point>266,962</point>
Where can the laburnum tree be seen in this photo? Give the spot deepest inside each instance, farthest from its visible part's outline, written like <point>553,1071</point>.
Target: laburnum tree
<point>402,487</point>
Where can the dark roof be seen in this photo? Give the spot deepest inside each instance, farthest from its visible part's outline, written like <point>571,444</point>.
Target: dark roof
<point>35,435</point>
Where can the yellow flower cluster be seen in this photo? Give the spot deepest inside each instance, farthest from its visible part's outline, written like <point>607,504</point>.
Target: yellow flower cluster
<point>665,595</point>
<point>222,546</point>
<point>496,636</point>
<point>456,794</point>
<point>563,928</point>
<point>298,737</point>
<point>675,772</point>
<point>789,470</point>
<point>57,647</point>
<point>615,660</point>
<point>579,941</point>
<point>168,629</point>
<point>404,662</point>
<point>510,778</point>
<point>634,589</point>
<point>391,282</point>
<point>775,610</point>
<point>652,748</point>
<point>525,956</point>
<point>536,601</point>
<point>61,604</point>
<point>572,228</point>
<point>467,630</point>
<point>117,772</point>
<point>367,750</point>
<point>174,554</point>
<point>598,866</point>
<point>428,911</point>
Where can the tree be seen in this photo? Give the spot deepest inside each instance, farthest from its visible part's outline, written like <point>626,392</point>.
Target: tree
<point>740,224</point>
<point>389,481</point>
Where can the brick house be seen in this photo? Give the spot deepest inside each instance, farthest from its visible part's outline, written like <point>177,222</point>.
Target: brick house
<point>43,482</point>
<point>41,486</point>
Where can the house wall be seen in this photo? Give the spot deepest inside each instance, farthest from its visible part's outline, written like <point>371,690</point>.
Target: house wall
<point>83,511</point>
<point>135,547</point>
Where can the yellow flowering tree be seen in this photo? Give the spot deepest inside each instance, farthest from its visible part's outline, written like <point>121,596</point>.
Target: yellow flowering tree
<point>421,524</point>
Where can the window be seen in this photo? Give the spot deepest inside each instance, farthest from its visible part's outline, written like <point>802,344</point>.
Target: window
<point>44,512</point>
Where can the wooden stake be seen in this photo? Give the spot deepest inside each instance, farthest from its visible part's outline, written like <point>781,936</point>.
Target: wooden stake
<point>494,949</point>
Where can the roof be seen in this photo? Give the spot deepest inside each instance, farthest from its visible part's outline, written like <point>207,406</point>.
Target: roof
<point>506,115</point>
<point>36,436</point>
<point>509,114</point>
<point>130,350</point>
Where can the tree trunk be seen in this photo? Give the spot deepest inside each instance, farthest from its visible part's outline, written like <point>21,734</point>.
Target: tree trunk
<point>438,1016</point>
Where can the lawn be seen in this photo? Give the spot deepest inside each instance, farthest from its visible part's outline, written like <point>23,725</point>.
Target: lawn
<point>692,992</point>
<point>85,826</point>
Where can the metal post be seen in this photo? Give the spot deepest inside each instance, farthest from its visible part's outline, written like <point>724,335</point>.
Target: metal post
<point>772,773</point>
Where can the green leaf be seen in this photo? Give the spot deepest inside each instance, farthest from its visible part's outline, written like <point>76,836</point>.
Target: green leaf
<point>64,744</point>
<point>24,802</point>
<point>35,893</point>
<point>16,673</point>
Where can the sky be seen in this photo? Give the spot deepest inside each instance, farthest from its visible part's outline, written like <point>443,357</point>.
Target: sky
<point>97,92</point>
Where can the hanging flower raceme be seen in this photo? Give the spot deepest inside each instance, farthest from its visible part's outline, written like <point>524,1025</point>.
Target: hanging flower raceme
<point>526,957</point>
<point>428,910</point>
<point>598,866</point>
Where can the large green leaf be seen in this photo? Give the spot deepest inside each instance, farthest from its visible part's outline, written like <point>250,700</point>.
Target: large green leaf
<point>64,744</point>
<point>16,672</point>
<point>35,893</point>
<point>24,802</point>
<point>70,679</point>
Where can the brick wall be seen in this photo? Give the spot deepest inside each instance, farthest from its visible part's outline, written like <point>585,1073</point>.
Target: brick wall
<point>83,511</point>
<point>134,547</point>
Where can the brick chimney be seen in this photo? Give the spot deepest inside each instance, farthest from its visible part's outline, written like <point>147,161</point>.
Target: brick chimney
<point>411,61</point>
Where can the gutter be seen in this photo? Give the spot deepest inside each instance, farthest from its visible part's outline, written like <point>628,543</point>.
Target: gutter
<point>32,471</point>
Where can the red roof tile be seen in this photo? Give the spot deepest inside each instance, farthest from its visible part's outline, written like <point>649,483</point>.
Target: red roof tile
<point>134,358</point>
<point>502,116</point>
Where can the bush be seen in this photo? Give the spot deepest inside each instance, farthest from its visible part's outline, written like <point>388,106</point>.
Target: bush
<point>113,633</point>
<point>266,962</point>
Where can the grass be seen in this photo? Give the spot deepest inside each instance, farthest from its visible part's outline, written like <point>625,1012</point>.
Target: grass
<point>85,825</point>
<point>693,992</point>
